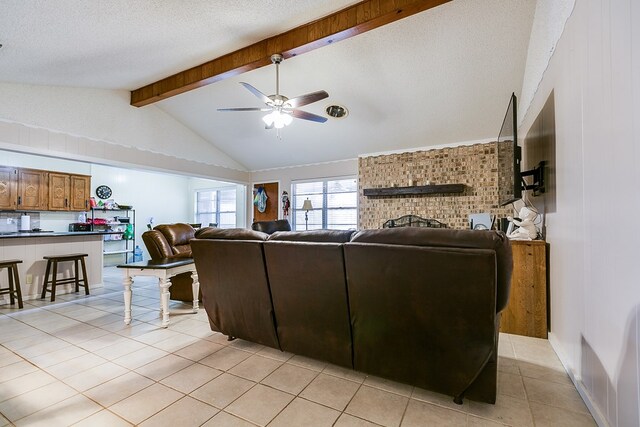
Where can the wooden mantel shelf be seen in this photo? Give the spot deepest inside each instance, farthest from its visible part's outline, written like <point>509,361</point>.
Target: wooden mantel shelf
<point>416,189</point>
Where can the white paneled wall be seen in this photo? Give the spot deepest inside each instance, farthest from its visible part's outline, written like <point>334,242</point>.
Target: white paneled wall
<point>595,269</point>
<point>105,115</point>
<point>29,139</point>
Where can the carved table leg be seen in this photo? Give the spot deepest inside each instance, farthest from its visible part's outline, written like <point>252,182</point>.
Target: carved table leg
<point>127,299</point>
<point>164,300</point>
<point>195,287</point>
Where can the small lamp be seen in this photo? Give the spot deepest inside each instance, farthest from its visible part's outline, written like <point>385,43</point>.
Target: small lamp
<point>306,207</point>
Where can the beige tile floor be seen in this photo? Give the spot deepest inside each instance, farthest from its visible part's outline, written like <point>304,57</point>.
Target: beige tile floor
<point>74,362</point>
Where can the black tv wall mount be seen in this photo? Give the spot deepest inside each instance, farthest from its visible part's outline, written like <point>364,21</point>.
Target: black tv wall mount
<point>537,179</point>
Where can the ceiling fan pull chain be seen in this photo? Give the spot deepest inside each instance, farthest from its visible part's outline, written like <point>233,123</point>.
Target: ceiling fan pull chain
<point>277,79</point>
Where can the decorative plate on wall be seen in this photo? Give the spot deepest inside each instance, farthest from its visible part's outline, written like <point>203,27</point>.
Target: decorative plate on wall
<point>103,191</point>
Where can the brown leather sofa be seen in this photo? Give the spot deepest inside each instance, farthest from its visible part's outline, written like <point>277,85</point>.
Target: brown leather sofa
<point>419,306</point>
<point>172,241</point>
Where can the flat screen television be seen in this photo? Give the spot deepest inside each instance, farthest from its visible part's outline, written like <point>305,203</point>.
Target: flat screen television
<point>509,157</point>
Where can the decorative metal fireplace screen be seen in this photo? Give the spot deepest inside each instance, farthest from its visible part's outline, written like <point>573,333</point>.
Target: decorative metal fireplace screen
<point>413,221</point>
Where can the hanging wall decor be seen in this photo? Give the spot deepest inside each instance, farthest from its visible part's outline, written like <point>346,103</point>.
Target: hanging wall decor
<point>286,204</point>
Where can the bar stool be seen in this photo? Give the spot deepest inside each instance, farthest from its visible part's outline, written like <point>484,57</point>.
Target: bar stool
<point>13,290</point>
<point>53,261</point>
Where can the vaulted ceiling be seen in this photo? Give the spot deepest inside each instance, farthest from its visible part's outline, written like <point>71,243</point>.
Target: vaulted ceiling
<point>440,76</point>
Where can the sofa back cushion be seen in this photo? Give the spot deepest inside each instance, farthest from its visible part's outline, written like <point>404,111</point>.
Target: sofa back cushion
<point>156,244</point>
<point>309,292</point>
<point>235,288</point>
<point>230,234</point>
<point>327,236</point>
<point>496,241</point>
<point>178,236</point>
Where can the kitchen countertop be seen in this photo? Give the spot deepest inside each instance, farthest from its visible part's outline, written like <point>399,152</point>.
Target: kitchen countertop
<point>23,234</point>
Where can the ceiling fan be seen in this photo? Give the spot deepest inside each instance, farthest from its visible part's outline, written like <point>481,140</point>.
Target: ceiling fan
<point>281,109</point>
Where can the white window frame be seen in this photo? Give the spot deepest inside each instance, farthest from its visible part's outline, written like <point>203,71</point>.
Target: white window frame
<point>324,199</point>
<point>217,211</point>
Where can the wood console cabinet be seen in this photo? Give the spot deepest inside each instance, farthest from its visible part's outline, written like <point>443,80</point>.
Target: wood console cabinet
<point>526,313</point>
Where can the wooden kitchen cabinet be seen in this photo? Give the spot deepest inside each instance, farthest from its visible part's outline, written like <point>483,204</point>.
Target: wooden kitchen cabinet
<point>59,189</point>
<point>526,312</point>
<point>8,188</point>
<point>32,190</point>
<point>69,192</point>
<point>80,192</point>
<point>41,190</point>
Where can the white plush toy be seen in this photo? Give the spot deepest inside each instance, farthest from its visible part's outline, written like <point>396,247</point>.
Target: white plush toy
<point>527,229</point>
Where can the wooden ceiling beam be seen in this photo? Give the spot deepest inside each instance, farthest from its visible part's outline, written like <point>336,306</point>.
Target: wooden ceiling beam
<point>351,21</point>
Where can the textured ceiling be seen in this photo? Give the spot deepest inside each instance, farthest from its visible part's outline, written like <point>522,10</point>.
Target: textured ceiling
<point>124,44</point>
<point>441,76</point>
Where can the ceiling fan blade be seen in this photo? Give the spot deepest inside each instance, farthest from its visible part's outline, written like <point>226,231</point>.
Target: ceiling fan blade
<point>261,96</point>
<point>309,98</point>
<point>299,114</point>
<point>245,109</point>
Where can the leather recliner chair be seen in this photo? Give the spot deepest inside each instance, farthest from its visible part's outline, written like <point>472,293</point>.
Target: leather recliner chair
<point>172,241</point>
<point>271,227</point>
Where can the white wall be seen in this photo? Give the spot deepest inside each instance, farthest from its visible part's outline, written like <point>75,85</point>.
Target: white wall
<point>165,197</point>
<point>168,198</point>
<point>595,273</point>
<point>285,175</point>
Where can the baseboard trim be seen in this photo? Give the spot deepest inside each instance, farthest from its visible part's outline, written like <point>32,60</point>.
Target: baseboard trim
<point>582,390</point>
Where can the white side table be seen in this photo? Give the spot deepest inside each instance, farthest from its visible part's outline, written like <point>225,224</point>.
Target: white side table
<point>164,270</point>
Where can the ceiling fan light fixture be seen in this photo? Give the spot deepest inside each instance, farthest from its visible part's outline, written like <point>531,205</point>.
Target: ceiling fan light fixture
<point>268,119</point>
<point>277,119</point>
<point>282,109</point>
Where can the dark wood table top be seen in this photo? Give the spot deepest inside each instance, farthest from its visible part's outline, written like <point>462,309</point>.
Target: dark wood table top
<point>158,264</point>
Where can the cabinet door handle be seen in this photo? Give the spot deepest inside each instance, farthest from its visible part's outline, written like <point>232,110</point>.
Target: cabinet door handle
<point>19,200</point>
<point>65,203</point>
<point>86,204</point>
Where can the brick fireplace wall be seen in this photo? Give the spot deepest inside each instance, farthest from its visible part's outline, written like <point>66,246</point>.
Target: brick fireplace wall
<point>475,166</point>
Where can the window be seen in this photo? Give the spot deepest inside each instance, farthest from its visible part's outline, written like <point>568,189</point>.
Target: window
<point>216,206</point>
<point>334,201</point>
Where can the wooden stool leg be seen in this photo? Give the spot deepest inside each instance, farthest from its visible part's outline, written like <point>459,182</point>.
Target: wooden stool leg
<point>46,279</point>
<point>84,276</point>
<point>54,280</point>
<point>76,274</point>
<point>10,270</point>
<point>16,283</point>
